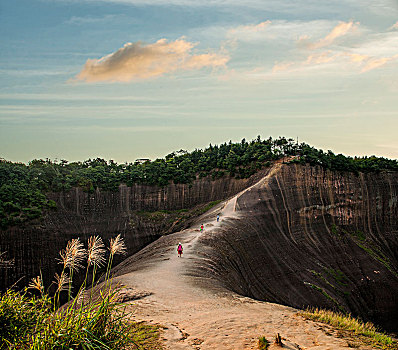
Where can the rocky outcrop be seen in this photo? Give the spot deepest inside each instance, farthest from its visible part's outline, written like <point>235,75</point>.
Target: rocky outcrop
<point>35,247</point>
<point>311,237</point>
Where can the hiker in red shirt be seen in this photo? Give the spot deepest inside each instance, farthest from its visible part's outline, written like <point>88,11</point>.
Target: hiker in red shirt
<point>179,249</point>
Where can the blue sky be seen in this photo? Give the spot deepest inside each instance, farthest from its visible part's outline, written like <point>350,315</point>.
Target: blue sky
<point>127,79</point>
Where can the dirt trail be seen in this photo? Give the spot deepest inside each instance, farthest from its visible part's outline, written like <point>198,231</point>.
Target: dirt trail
<point>195,317</point>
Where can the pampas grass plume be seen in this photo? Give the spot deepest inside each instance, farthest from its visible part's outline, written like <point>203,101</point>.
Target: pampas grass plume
<point>73,255</point>
<point>36,283</point>
<point>62,281</point>
<point>117,246</point>
<point>95,251</point>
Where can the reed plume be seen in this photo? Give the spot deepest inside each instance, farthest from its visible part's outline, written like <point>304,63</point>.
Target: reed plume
<point>117,246</point>
<point>73,255</point>
<point>62,281</point>
<point>95,251</point>
<point>37,283</point>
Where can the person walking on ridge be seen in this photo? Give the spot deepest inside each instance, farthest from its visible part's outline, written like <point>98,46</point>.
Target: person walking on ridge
<point>179,249</point>
<point>218,218</point>
<point>202,227</point>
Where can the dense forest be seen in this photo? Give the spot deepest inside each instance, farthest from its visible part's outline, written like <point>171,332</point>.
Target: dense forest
<point>23,187</point>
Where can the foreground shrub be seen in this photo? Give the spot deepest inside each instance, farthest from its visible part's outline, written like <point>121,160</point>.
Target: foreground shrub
<point>97,325</point>
<point>91,320</point>
<point>20,315</point>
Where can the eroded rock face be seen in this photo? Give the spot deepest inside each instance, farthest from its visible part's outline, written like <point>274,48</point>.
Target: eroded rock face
<point>311,237</point>
<point>82,214</point>
<point>307,237</point>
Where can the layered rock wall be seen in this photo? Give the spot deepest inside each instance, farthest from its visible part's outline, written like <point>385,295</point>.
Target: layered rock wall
<point>315,237</point>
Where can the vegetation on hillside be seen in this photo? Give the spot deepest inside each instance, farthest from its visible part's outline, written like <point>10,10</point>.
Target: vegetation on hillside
<point>351,327</point>
<point>92,320</point>
<point>23,187</point>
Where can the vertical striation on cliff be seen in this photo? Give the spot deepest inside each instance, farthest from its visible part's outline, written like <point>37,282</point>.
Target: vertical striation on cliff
<point>312,237</point>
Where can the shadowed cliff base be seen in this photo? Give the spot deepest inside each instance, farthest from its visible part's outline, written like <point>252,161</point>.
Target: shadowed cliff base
<point>301,236</point>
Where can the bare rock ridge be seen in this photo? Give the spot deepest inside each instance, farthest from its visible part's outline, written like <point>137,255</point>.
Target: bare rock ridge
<point>301,237</point>
<point>298,236</point>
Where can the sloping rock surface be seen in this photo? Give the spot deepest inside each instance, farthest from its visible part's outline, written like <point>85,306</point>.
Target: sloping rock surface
<point>310,237</point>
<point>301,236</point>
<point>197,299</point>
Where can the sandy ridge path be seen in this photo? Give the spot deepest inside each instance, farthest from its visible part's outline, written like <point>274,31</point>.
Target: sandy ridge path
<point>195,317</point>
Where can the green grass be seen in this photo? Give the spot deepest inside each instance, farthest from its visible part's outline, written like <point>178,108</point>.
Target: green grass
<point>93,320</point>
<point>31,323</point>
<point>377,255</point>
<point>208,207</point>
<point>338,276</point>
<point>326,295</point>
<point>263,343</point>
<point>360,235</point>
<point>145,336</point>
<point>179,216</point>
<point>321,277</point>
<point>365,332</point>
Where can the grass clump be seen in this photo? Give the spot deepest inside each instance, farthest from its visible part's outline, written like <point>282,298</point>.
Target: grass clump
<point>263,343</point>
<point>88,321</point>
<point>338,275</point>
<point>19,316</point>
<point>366,332</point>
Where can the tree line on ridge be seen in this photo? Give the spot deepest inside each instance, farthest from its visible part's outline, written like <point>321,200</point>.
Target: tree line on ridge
<point>23,187</point>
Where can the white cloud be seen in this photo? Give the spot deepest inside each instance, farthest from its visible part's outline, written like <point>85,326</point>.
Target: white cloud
<point>288,6</point>
<point>136,61</point>
<point>376,62</point>
<point>90,19</point>
<point>365,53</point>
<point>321,58</point>
<point>342,29</point>
<point>356,57</point>
<point>344,60</point>
<point>250,28</point>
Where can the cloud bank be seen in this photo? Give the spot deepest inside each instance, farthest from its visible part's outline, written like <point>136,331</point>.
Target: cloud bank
<point>369,53</point>
<point>136,61</point>
<point>343,28</point>
<point>251,27</point>
<point>365,62</point>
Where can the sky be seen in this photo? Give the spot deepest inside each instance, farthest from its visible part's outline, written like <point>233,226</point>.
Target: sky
<point>128,79</point>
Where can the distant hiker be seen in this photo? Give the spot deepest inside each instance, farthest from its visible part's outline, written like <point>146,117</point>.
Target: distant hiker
<point>179,249</point>
<point>202,227</point>
<point>218,218</point>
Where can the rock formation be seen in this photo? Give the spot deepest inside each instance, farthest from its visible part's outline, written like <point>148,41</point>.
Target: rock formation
<point>310,237</point>
<point>304,237</point>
